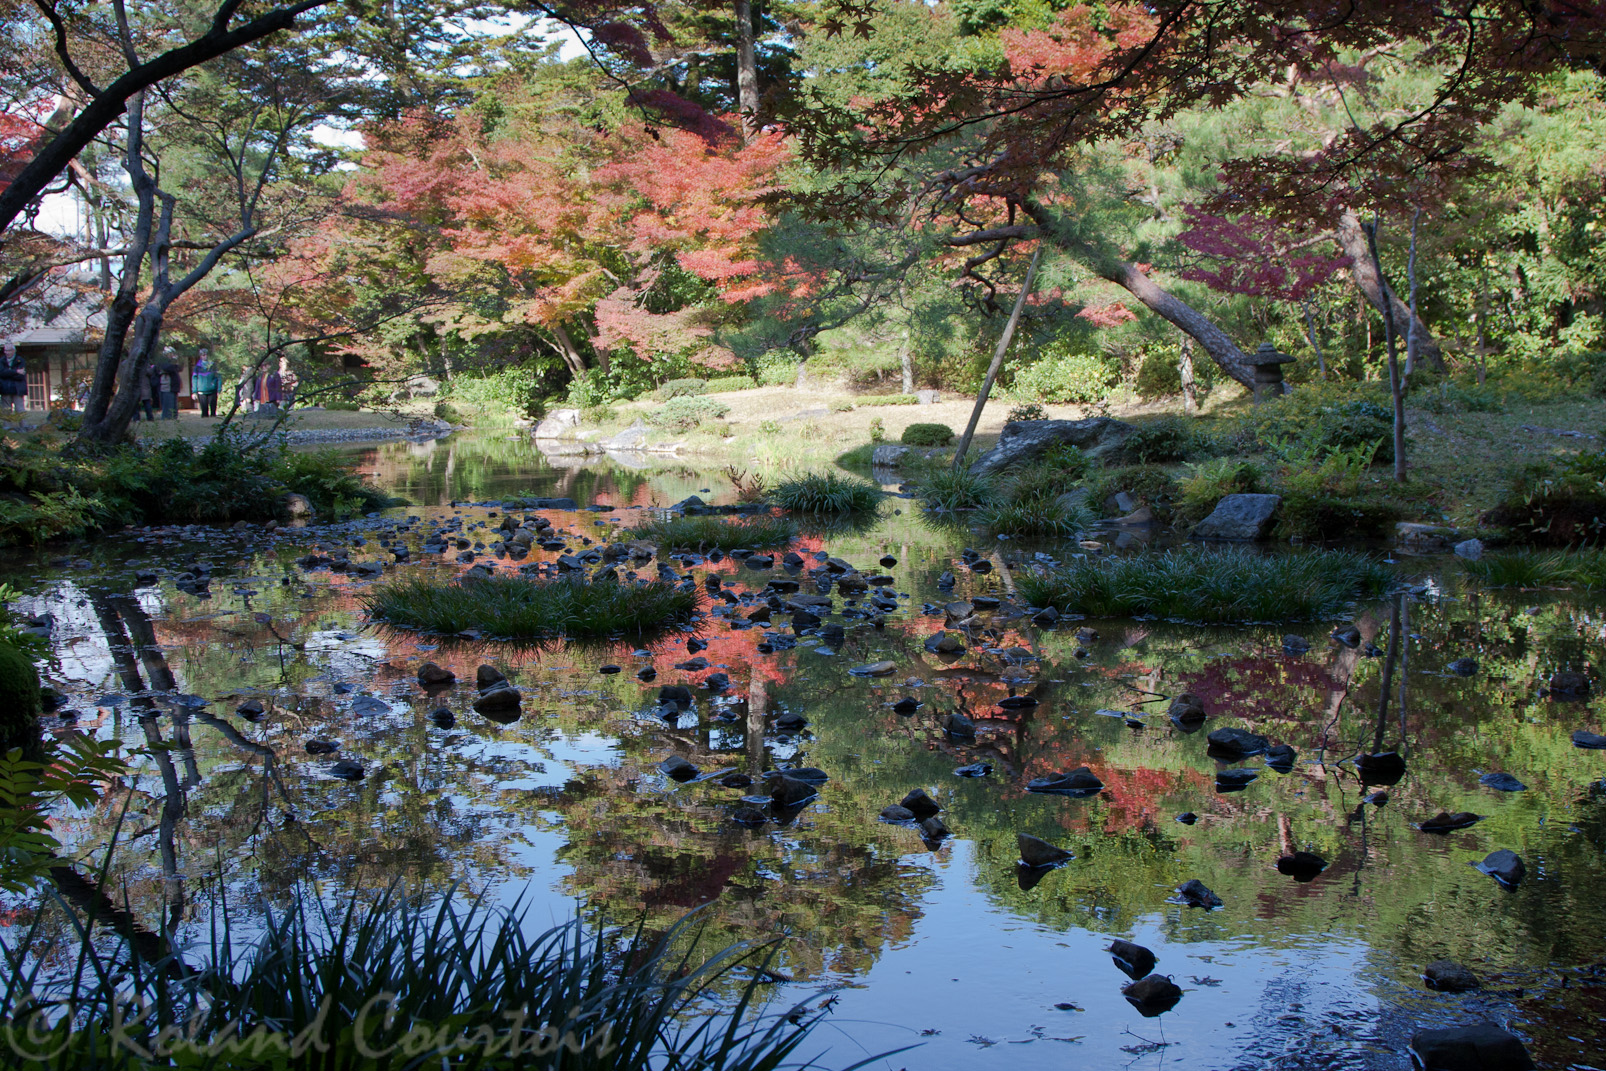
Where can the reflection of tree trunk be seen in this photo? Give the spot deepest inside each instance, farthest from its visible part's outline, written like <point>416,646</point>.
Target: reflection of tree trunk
<point>1388,673</point>
<point>1342,672</point>
<point>143,633</point>
<point>89,898</point>
<point>1285,834</point>
<point>758,708</point>
<point>167,826</point>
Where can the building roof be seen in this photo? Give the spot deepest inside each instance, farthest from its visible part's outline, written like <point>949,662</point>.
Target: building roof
<point>62,310</point>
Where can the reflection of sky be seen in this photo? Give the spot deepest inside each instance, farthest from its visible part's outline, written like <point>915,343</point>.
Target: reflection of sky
<point>976,972</point>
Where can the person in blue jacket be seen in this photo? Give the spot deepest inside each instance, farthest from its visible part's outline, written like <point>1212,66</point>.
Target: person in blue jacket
<point>205,383</point>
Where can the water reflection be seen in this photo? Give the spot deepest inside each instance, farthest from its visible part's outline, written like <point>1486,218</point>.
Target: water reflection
<point>940,943</point>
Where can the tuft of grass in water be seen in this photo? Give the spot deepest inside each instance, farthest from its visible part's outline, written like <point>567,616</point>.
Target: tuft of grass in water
<point>1211,585</point>
<point>1540,569</point>
<point>944,487</point>
<point>1036,515</point>
<point>517,608</point>
<point>708,532</point>
<point>419,979</point>
<point>826,492</point>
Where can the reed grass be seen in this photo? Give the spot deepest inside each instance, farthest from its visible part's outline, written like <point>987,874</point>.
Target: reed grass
<point>389,983</point>
<point>1540,569</point>
<point>1209,585</point>
<point>517,608</point>
<point>709,532</point>
<point>826,492</point>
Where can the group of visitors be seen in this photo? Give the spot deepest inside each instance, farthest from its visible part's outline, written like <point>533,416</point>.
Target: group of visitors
<point>13,380</point>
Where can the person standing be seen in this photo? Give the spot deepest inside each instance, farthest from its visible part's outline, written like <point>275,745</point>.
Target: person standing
<point>205,381</point>
<point>167,385</point>
<point>147,392</point>
<point>13,379</point>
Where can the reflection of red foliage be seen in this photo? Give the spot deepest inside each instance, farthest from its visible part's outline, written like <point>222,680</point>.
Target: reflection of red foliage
<point>1258,690</point>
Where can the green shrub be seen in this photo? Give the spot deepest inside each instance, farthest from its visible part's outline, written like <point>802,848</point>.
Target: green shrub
<point>1448,396</point>
<point>841,405</point>
<point>888,399</point>
<point>927,435</point>
<point>826,492</point>
<point>724,383</point>
<point>599,414</point>
<point>776,370</point>
<point>1152,485</point>
<point>1210,585</point>
<point>19,700</point>
<point>708,532</point>
<point>486,397</point>
<point>1027,412</point>
<point>45,515</point>
<point>1159,374</point>
<point>1062,377</point>
<point>1556,506</point>
<point>685,413</point>
<point>346,405</point>
<point>1205,483</point>
<point>1317,420</point>
<point>1167,438</point>
<point>517,608</point>
<point>680,388</point>
<point>878,430</point>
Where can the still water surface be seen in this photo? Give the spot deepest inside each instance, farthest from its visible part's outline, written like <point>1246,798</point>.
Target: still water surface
<point>948,946</point>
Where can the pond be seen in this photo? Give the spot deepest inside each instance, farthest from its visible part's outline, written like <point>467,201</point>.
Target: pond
<point>948,945</point>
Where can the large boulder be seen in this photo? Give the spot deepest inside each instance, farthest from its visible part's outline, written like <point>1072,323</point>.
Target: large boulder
<point>1484,1047</point>
<point>888,455</point>
<point>1240,517</point>
<point>1026,440</point>
<point>558,424</point>
<point>632,438</point>
<point>19,701</point>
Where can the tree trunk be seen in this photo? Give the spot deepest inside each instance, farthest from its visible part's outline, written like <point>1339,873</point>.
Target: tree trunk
<point>1396,384</point>
<point>998,362</point>
<point>571,356</point>
<point>1212,339</point>
<point>905,362</point>
<point>746,70</point>
<point>1190,394</point>
<point>1369,280</point>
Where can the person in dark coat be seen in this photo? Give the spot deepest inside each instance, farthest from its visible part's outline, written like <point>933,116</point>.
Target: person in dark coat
<point>13,379</point>
<point>167,383</point>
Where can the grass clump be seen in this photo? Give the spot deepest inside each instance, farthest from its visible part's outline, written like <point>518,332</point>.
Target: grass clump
<point>826,492</point>
<point>927,435</point>
<point>684,413</point>
<point>724,383</point>
<point>707,533</point>
<point>1167,438</point>
<point>452,973</point>
<point>1540,569</point>
<point>1205,483</point>
<point>887,399</point>
<point>1211,586</point>
<point>1557,506</point>
<point>518,608</point>
<point>1042,515</point>
<point>680,388</point>
<point>947,488</point>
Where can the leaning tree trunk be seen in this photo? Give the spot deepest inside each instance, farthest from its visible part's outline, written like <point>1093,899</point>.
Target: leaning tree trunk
<point>1212,339</point>
<point>1352,239</point>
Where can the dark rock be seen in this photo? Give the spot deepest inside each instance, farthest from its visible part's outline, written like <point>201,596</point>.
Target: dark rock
<point>1380,768</point>
<point>1349,636</point>
<point>959,727</point>
<point>1295,645</point>
<point>791,722</point>
<point>875,669</point>
<point>1589,740</point>
<point>812,774</point>
<point>251,710</point>
<point>1444,822</point>
<point>975,769</point>
<point>1501,782</point>
<point>1047,617</point>
<point>732,779</point>
<point>487,676</point>
<point>1463,667</point>
<point>894,813</point>
<point>1023,441</point>
<point>1235,780</point>
<point>646,673</point>
<point>500,702</point>
<point>1187,709</point>
<point>718,683</point>
<point>1154,995</point>
<point>945,643</point>
<point>1301,866</point>
<point>693,665</point>
<point>1017,702</point>
<point>945,582</point>
<point>322,747</point>
<point>347,770</point>
<point>790,792</point>
<point>749,816</point>
<point>906,705</point>
<point>1134,960</point>
<point>1504,866</point>
<point>443,718</point>
<point>1484,1047</point>
<point>1569,685</point>
<point>1037,852</point>
<point>1281,758</point>
<point>1080,781</point>
<point>1448,976</point>
<point>1195,893</point>
<point>933,828</point>
<point>432,676</point>
<point>1187,818</point>
<point>1087,637</point>
<point>607,669</point>
<point>1233,743</point>
<point>1239,517</point>
<point>677,768</point>
<point>888,561</point>
<point>676,695</point>
<point>920,804</point>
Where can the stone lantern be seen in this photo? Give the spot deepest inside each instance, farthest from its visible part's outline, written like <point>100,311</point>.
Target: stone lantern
<point>1268,363</point>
